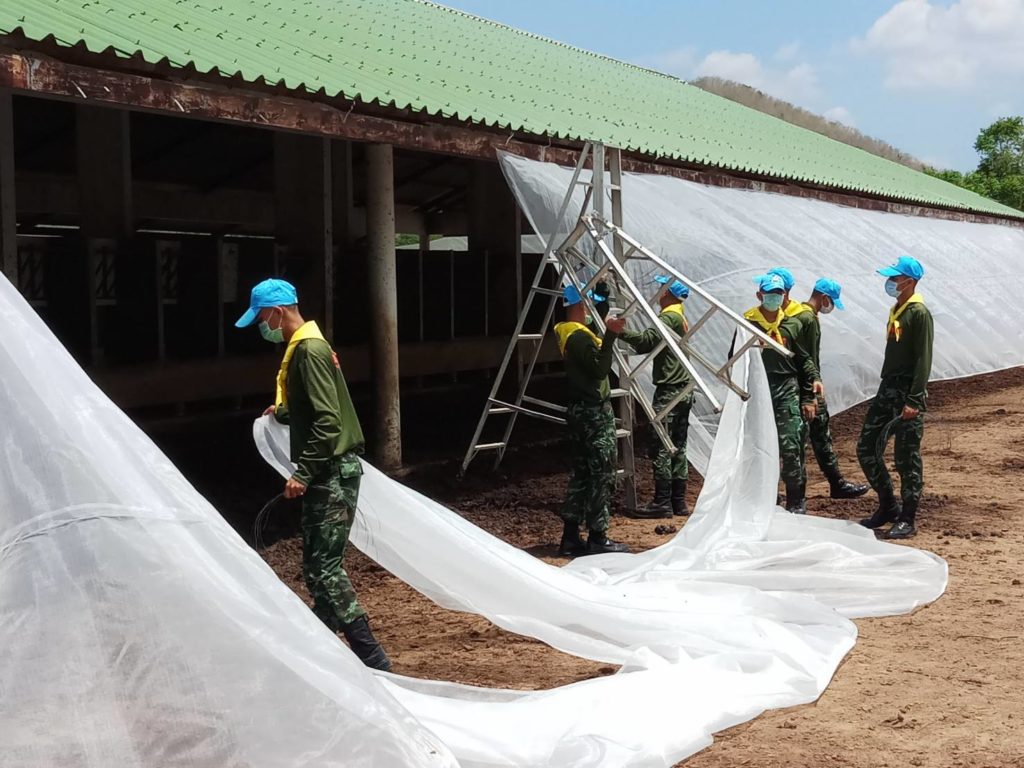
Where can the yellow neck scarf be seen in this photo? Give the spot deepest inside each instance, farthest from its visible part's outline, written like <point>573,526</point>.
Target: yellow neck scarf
<point>772,329</point>
<point>677,309</point>
<point>893,326</point>
<point>565,330</point>
<point>797,308</point>
<point>305,331</point>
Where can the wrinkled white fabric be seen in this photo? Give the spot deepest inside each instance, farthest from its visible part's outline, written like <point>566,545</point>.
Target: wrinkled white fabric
<point>137,628</point>
<point>721,238</point>
<point>712,628</point>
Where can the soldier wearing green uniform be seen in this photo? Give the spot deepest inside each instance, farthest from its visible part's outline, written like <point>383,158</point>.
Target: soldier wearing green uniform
<point>899,406</point>
<point>821,302</point>
<point>326,440</point>
<point>790,381</point>
<point>671,379</point>
<point>591,426</point>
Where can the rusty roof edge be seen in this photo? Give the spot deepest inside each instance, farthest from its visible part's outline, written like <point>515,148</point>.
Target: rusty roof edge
<point>164,69</point>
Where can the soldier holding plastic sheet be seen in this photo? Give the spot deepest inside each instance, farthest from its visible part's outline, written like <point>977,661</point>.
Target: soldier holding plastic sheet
<point>670,376</point>
<point>824,298</point>
<point>899,406</point>
<point>326,440</point>
<point>591,425</point>
<point>791,383</point>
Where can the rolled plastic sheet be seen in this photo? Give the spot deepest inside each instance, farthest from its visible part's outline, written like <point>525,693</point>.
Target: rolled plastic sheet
<point>138,629</point>
<point>721,238</point>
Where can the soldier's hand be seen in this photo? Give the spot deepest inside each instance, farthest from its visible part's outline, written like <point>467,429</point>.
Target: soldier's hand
<point>615,324</point>
<point>270,410</point>
<point>910,413</point>
<point>293,489</point>
<point>809,410</point>
<point>819,389</point>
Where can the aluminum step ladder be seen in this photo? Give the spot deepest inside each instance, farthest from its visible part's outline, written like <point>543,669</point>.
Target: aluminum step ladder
<point>599,250</point>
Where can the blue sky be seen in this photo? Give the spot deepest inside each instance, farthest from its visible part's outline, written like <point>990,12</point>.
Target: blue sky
<point>923,75</point>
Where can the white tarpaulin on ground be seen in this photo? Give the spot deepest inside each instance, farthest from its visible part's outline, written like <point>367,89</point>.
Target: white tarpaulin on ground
<point>721,238</point>
<point>140,630</point>
<point>741,612</point>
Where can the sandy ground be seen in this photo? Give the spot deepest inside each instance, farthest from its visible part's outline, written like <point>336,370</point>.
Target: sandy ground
<point>941,687</point>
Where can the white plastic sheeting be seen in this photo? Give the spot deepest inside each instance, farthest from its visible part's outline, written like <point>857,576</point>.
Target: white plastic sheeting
<point>137,628</point>
<point>721,238</point>
<point>735,615</point>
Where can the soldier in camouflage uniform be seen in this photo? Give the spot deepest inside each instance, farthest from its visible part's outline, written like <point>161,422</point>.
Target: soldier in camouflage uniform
<point>671,470</point>
<point>791,383</point>
<point>591,426</point>
<point>899,406</point>
<point>326,441</point>
<point>824,298</point>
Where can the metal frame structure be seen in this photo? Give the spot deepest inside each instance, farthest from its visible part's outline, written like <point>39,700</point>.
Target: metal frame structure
<point>610,250</point>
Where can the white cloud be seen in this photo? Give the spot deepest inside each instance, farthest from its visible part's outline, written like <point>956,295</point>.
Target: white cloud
<point>840,115</point>
<point>798,83</point>
<point>969,43</point>
<point>788,52</point>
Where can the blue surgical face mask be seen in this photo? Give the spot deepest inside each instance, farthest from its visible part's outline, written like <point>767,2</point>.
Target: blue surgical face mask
<point>771,301</point>
<point>273,335</point>
<point>892,287</point>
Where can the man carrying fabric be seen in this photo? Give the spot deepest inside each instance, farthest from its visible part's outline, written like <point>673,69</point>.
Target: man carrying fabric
<point>824,298</point>
<point>899,406</point>
<point>670,379</point>
<point>326,441</point>
<point>791,383</point>
<point>591,425</point>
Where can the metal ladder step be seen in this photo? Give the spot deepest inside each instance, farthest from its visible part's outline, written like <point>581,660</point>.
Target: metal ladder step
<point>489,446</point>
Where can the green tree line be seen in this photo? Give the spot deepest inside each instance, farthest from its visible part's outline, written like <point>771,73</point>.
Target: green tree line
<point>1000,172</point>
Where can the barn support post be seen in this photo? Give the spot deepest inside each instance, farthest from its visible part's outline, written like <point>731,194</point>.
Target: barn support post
<point>383,291</point>
<point>304,219</point>
<point>8,212</point>
<point>107,220</point>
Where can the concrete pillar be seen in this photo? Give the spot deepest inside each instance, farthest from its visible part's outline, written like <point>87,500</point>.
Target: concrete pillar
<point>8,213</point>
<point>106,216</point>
<point>304,220</point>
<point>493,234</point>
<point>380,230</point>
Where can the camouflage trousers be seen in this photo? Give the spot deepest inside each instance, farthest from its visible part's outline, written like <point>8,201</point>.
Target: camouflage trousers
<point>328,511</point>
<point>821,441</point>
<point>593,453</point>
<point>791,427</point>
<point>668,466</point>
<point>887,405</point>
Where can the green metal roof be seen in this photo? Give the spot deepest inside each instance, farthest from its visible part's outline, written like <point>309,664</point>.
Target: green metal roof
<point>422,56</point>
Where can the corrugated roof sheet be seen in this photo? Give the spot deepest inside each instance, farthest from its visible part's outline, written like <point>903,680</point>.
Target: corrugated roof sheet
<point>422,56</point>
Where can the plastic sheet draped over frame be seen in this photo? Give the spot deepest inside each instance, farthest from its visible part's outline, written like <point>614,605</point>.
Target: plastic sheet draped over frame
<point>138,630</point>
<point>721,238</point>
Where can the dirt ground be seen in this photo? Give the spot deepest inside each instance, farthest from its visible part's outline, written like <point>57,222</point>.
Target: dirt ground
<point>941,687</point>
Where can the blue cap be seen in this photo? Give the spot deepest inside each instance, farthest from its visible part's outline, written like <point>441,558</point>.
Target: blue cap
<point>831,289</point>
<point>907,266</point>
<point>269,293</point>
<point>571,296</point>
<point>787,277</point>
<point>675,287</point>
<point>770,282</point>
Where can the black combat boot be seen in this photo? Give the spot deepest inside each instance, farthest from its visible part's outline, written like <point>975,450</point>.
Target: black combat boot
<point>904,526</point>
<point>796,501</point>
<point>679,508</point>
<point>841,488</point>
<point>598,544</point>
<point>888,510</point>
<point>572,544</point>
<point>365,645</point>
<point>661,506</point>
